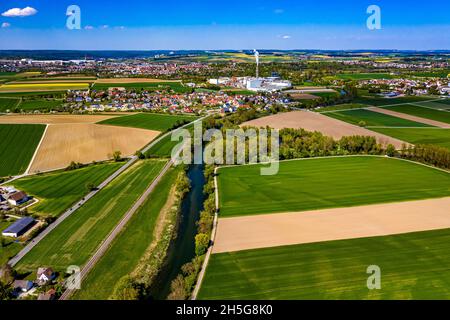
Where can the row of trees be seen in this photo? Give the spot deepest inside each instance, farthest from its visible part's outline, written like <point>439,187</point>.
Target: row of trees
<point>429,154</point>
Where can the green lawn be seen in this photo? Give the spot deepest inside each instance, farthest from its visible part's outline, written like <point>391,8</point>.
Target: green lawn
<point>413,266</point>
<point>364,76</point>
<point>151,86</point>
<point>149,121</point>
<point>439,137</point>
<point>77,237</point>
<point>58,191</point>
<point>427,113</point>
<point>12,248</point>
<point>163,149</point>
<point>18,143</point>
<point>128,248</point>
<point>381,101</point>
<point>326,183</point>
<point>339,107</point>
<point>439,105</point>
<point>372,118</point>
<point>8,104</point>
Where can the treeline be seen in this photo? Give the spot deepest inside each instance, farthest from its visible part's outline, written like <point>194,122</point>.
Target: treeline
<point>428,154</point>
<point>137,285</point>
<point>184,284</point>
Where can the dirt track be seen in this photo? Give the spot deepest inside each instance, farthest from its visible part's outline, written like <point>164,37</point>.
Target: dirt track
<point>410,117</point>
<point>243,233</point>
<point>312,121</point>
<point>86,142</point>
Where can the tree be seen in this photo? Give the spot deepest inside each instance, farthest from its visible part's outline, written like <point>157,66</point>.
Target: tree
<point>117,156</point>
<point>140,155</point>
<point>127,289</point>
<point>3,241</point>
<point>90,186</point>
<point>391,151</point>
<point>7,274</point>
<point>201,244</point>
<point>5,291</point>
<point>177,289</point>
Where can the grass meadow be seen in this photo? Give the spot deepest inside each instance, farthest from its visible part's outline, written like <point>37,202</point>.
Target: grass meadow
<point>58,191</point>
<point>413,266</point>
<point>149,121</point>
<point>17,146</point>
<point>435,136</point>
<point>323,183</point>
<point>75,240</point>
<point>427,113</point>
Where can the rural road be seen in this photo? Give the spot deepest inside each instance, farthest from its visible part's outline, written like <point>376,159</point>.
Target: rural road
<point>80,203</point>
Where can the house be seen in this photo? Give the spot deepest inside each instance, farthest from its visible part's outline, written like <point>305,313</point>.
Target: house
<point>49,295</point>
<point>22,286</point>
<point>18,198</point>
<point>19,227</point>
<point>44,275</point>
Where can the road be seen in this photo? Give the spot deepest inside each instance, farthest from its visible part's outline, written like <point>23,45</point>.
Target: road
<point>80,203</point>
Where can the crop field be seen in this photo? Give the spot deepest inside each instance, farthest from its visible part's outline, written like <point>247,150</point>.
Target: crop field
<point>427,113</point>
<point>130,245</point>
<point>17,146</point>
<point>380,101</point>
<point>339,107</point>
<point>313,184</point>
<point>371,118</point>
<point>438,137</point>
<point>58,191</point>
<point>152,86</point>
<point>36,87</point>
<point>413,266</point>
<point>11,248</point>
<point>149,121</point>
<point>40,104</point>
<point>8,104</point>
<point>438,105</point>
<point>34,94</point>
<point>77,237</point>
<point>364,76</point>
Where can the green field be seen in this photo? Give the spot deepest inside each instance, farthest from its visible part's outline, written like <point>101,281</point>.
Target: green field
<point>364,76</point>
<point>327,183</point>
<point>151,86</point>
<point>149,121</point>
<point>339,107</point>
<point>58,191</point>
<point>11,248</point>
<point>119,260</point>
<point>41,104</point>
<point>17,145</point>
<point>413,266</point>
<point>8,104</point>
<point>371,118</point>
<point>77,237</point>
<point>45,86</point>
<point>381,101</point>
<point>427,113</point>
<point>438,137</point>
<point>439,105</point>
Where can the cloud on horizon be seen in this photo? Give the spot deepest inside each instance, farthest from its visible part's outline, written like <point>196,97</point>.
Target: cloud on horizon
<point>6,25</point>
<point>17,12</point>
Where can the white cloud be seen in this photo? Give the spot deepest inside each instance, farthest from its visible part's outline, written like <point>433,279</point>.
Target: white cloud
<point>6,25</point>
<point>88,27</point>
<point>17,12</point>
<point>120,28</point>
<point>286,37</point>
<point>104,26</point>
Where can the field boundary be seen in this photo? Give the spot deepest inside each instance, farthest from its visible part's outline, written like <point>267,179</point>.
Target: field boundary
<point>36,150</point>
<point>213,238</point>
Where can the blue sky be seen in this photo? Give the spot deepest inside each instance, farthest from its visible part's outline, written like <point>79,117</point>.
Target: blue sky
<point>231,24</point>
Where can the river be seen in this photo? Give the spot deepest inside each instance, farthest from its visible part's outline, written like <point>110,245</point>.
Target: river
<point>182,250</point>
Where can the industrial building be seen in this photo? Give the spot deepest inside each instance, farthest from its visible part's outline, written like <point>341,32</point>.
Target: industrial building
<point>19,227</point>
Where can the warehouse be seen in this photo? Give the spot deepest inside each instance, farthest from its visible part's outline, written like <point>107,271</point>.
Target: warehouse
<point>19,227</point>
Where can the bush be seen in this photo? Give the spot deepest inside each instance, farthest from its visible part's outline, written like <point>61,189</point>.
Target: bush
<point>201,244</point>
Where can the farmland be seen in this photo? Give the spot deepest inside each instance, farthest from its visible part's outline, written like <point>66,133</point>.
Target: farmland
<point>339,107</point>
<point>427,113</point>
<point>39,104</point>
<point>77,237</point>
<point>327,183</point>
<point>44,86</point>
<point>138,234</point>
<point>371,118</point>
<point>17,146</point>
<point>364,76</point>
<point>57,191</point>
<point>8,104</point>
<point>149,121</point>
<point>380,101</point>
<point>439,137</point>
<point>414,266</point>
<point>151,86</point>
<point>439,105</point>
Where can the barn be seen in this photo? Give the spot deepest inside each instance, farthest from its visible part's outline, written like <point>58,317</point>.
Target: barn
<point>19,227</point>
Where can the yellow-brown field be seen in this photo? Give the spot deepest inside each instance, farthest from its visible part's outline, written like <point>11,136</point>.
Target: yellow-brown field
<point>53,119</point>
<point>86,142</point>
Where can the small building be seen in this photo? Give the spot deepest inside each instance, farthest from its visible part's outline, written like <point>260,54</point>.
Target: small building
<point>22,286</point>
<point>45,275</point>
<point>19,227</point>
<point>18,198</point>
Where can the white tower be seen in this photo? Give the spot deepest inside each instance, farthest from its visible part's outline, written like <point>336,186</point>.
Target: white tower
<point>257,62</point>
